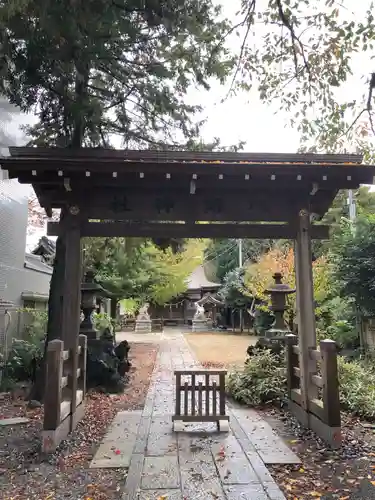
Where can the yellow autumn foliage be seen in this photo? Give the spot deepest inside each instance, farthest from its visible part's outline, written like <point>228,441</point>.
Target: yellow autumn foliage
<point>258,276</point>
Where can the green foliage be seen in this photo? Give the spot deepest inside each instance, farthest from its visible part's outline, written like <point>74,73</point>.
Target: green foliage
<point>23,358</point>
<point>93,69</point>
<point>354,266</point>
<point>262,379</point>
<point>233,291</point>
<point>36,324</point>
<point>303,54</point>
<point>336,320</point>
<point>223,253</point>
<point>25,355</point>
<point>357,387</point>
<point>137,269</point>
<point>130,305</point>
<point>102,321</point>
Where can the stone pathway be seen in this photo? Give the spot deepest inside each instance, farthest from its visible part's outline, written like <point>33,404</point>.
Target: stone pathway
<point>187,465</point>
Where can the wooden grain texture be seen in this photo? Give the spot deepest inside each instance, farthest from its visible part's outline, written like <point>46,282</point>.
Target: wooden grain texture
<point>173,230</point>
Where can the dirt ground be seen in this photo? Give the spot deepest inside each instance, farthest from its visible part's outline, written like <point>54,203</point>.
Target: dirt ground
<point>344,474</point>
<point>220,349</point>
<point>27,475</point>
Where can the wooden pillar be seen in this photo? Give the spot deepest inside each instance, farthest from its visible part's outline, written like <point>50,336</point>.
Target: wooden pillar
<point>71,306</point>
<point>305,306</point>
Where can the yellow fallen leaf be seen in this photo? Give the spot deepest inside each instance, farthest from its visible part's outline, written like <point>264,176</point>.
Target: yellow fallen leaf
<point>301,470</point>
<point>315,494</point>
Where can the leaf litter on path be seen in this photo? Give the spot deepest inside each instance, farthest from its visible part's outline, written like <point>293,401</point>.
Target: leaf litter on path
<point>65,474</point>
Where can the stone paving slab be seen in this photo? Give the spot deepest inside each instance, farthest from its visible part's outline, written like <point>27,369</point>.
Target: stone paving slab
<point>118,444</point>
<point>270,447</point>
<point>155,494</point>
<point>189,465</point>
<point>161,439</point>
<point>14,421</point>
<point>199,477</point>
<point>160,472</point>
<point>236,471</point>
<point>245,492</point>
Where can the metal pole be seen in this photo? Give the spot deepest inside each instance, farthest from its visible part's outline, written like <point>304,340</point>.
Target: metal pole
<point>352,207</point>
<point>240,266</point>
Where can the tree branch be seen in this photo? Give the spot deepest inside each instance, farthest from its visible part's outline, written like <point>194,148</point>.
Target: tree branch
<point>247,19</point>
<point>295,40</point>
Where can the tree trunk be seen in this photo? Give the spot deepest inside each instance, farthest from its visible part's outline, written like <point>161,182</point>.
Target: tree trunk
<point>54,316</point>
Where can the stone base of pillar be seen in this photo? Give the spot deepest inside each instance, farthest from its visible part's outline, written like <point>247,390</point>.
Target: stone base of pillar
<point>143,326</point>
<point>199,325</point>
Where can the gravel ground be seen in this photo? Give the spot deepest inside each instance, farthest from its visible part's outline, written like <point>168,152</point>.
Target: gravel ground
<point>345,474</point>
<point>27,475</point>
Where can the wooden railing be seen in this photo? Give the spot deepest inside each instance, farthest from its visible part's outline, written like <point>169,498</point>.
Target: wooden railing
<point>200,398</point>
<point>157,325</point>
<point>320,408</point>
<point>63,406</point>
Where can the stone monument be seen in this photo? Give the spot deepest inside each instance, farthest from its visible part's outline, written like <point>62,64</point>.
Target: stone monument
<point>199,323</point>
<point>143,320</point>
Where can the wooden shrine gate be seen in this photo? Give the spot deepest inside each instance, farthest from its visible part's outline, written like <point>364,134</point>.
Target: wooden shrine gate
<point>234,194</point>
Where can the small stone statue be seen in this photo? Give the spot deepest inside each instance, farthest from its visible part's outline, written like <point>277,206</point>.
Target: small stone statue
<point>199,313</point>
<point>143,313</point>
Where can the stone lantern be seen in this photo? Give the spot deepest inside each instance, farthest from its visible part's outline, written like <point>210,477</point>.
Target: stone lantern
<point>89,292</point>
<point>278,292</point>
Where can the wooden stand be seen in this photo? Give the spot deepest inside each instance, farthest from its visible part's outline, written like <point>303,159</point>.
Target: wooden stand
<point>202,402</point>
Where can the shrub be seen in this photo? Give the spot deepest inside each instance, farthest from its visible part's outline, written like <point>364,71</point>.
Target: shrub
<point>357,387</point>
<point>36,325</point>
<point>336,321</point>
<point>102,321</point>
<point>23,359</point>
<point>261,380</point>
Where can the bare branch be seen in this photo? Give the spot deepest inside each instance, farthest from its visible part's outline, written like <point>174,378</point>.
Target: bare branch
<point>367,109</point>
<point>238,65</point>
<point>295,40</point>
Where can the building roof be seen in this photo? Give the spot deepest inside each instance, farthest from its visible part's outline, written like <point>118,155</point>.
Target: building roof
<point>183,186</point>
<point>209,299</point>
<point>198,280</point>
<point>35,263</point>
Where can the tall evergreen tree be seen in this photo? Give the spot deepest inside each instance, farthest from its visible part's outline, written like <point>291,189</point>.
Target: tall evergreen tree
<point>93,70</point>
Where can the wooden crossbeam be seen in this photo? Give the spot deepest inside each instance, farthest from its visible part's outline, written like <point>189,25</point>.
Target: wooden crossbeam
<point>172,230</point>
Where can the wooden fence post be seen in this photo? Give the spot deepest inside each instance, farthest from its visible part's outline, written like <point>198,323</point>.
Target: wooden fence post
<point>178,394</point>
<point>292,360</point>
<point>54,372</point>
<point>331,395</point>
<point>82,342</point>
